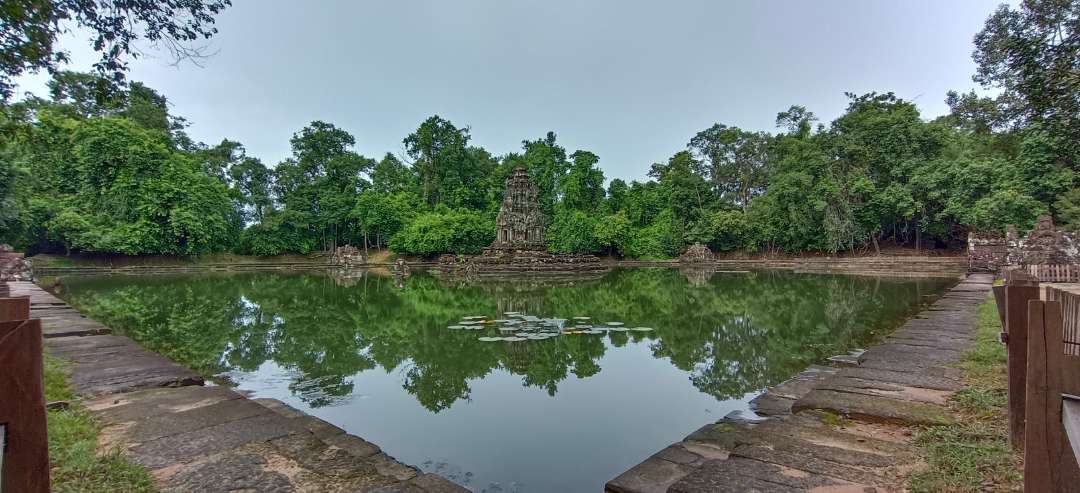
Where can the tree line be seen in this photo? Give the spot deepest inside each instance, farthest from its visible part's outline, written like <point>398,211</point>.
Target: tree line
<point>102,166</point>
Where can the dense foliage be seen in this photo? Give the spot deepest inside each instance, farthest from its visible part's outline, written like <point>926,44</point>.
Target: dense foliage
<point>29,30</point>
<point>112,171</point>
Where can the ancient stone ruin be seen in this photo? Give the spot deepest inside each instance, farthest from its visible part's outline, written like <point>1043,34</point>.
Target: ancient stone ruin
<point>14,266</point>
<point>347,256</point>
<point>520,225</point>
<point>519,244</point>
<point>1043,245</point>
<point>697,254</point>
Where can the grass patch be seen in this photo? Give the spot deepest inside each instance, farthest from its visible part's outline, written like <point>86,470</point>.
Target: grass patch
<point>973,455</point>
<point>832,420</point>
<point>76,464</point>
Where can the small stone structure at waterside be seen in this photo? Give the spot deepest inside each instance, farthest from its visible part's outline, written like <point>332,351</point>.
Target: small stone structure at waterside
<point>1044,244</point>
<point>697,254</point>
<point>14,266</point>
<point>519,244</point>
<point>347,256</point>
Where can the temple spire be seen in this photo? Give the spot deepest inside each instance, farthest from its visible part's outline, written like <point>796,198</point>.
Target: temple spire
<point>520,225</point>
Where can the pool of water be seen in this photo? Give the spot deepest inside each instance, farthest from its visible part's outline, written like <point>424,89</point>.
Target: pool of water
<point>566,412</point>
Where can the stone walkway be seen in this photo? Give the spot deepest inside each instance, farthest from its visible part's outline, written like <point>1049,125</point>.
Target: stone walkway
<point>830,429</point>
<point>207,438</point>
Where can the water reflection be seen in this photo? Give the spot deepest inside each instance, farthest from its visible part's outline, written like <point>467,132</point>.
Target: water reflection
<point>731,332</point>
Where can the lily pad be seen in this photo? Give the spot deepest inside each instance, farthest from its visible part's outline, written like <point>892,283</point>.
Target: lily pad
<point>513,339</point>
<point>489,339</point>
<point>582,318</point>
<point>456,327</point>
<point>614,324</point>
<point>642,329</point>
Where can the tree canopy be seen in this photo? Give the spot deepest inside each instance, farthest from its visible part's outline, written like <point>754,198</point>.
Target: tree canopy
<point>103,166</point>
<point>29,31</point>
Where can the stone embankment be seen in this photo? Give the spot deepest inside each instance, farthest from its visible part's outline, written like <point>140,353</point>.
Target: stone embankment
<point>497,262</point>
<point>900,265</point>
<point>830,429</point>
<point>883,265</point>
<point>208,438</point>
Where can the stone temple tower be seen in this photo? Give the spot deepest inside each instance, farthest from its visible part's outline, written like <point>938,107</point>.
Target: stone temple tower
<point>520,225</point>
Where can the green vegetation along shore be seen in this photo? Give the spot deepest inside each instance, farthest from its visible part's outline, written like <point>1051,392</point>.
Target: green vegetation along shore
<point>973,454</point>
<point>77,464</point>
<point>99,166</point>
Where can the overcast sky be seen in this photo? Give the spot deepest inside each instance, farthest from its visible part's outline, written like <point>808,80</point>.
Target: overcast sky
<point>632,81</point>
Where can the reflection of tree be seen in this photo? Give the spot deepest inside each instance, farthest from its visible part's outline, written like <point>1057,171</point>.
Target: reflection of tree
<point>732,332</point>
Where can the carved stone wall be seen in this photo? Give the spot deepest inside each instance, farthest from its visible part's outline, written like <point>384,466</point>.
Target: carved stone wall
<point>697,254</point>
<point>347,256</point>
<point>13,265</point>
<point>1043,245</point>
<point>987,252</point>
<point>520,225</point>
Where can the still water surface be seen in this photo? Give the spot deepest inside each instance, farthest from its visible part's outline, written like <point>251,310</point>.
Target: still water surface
<point>375,356</point>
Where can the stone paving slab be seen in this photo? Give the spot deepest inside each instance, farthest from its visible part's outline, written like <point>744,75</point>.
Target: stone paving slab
<point>741,475</point>
<point>107,364</point>
<point>58,319</point>
<point>214,439</point>
<point>779,399</point>
<point>805,445</point>
<point>921,380</point>
<point>813,464</point>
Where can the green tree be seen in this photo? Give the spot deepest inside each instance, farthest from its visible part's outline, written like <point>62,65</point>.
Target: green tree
<point>382,215</point>
<point>547,165</point>
<point>734,160</point>
<point>31,28</point>
<point>438,147</point>
<point>612,234</point>
<point>445,231</point>
<point>319,183</point>
<point>1029,52</point>
<point>583,187</point>
<point>390,175</point>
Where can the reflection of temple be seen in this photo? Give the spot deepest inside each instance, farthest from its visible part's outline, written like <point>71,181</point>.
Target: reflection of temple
<point>520,222</point>
<point>697,276</point>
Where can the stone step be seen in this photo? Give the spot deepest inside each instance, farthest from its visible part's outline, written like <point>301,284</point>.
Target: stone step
<point>214,439</point>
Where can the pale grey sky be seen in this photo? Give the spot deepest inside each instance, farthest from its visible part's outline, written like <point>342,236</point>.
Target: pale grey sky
<point>632,81</point>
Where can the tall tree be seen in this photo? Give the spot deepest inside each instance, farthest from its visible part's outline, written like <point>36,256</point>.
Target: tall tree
<point>319,184</point>
<point>547,165</point>
<point>390,175</point>
<point>583,187</point>
<point>1032,53</point>
<point>438,147</point>
<point>734,161</point>
<point>29,31</point>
